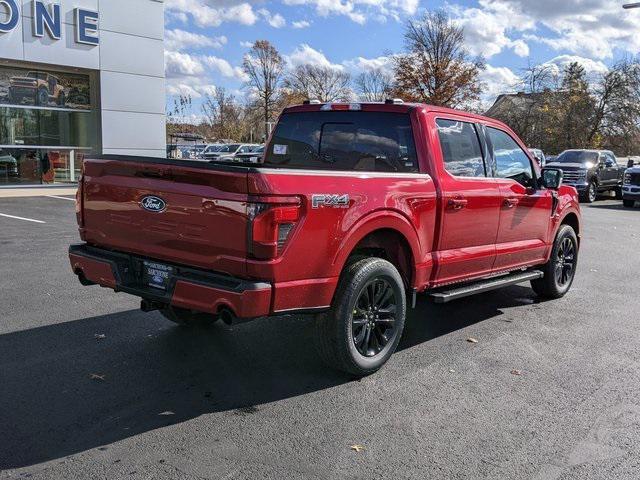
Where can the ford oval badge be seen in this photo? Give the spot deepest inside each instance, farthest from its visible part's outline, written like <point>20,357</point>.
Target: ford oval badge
<point>153,204</point>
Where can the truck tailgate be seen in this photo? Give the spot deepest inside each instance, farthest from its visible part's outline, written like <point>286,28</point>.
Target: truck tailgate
<point>204,211</point>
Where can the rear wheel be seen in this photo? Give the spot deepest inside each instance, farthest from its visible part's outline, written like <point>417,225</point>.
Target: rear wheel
<point>185,317</point>
<point>628,203</point>
<point>366,320</point>
<point>560,270</point>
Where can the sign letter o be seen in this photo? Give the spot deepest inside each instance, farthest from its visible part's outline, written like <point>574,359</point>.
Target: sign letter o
<point>14,15</point>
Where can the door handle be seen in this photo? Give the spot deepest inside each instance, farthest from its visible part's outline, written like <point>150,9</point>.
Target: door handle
<point>510,202</point>
<point>457,203</point>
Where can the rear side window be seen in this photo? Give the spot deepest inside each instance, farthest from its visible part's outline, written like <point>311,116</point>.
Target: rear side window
<point>343,140</point>
<point>461,149</point>
<point>511,161</point>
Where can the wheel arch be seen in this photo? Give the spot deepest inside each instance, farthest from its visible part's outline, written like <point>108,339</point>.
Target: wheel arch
<point>387,235</point>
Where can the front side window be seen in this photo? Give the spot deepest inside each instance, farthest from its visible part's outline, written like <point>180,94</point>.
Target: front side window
<point>461,149</point>
<point>344,141</point>
<point>511,161</point>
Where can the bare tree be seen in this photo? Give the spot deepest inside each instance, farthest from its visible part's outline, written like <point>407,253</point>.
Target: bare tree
<point>436,67</point>
<point>264,66</point>
<point>374,85</point>
<point>224,115</point>
<point>317,82</point>
<point>178,120</point>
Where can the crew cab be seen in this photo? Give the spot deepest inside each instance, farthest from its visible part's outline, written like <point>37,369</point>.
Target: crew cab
<point>39,88</point>
<point>353,210</point>
<point>591,172</point>
<point>631,186</point>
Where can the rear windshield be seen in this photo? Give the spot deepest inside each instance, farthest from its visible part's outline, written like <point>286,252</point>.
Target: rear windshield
<point>341,140</point>
<point>577,156</point>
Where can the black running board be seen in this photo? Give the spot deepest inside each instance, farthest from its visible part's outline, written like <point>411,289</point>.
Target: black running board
<point>444,296</point>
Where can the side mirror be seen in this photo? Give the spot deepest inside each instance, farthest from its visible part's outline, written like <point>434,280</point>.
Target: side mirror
<point>552,178</point>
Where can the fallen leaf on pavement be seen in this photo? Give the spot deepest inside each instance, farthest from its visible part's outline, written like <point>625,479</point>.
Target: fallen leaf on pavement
<point>516,372</point>
<point>472,340</point>
<point>95,376</point>
<point>168,412</point>
<point>357,448</point>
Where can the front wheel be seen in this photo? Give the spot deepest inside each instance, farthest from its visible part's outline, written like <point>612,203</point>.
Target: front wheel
<point>560,270</point>
<point>591,193</point>
<point>628,203</point>
<point>366,320</point>
<point>618,192</point>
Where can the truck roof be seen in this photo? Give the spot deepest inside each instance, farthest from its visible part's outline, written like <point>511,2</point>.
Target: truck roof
<point>392,108</point>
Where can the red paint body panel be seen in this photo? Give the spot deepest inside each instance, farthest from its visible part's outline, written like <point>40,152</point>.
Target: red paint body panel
<point>94,270</point>
<point>455,229</point>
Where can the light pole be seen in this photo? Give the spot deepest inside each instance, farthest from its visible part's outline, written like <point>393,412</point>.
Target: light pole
<point>631,5</point>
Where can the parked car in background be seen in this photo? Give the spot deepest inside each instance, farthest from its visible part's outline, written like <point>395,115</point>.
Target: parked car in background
<point>185,151</point>
<point>355,209</point>
<point>590,172</point>
<point>539,156</point>
<point>253,156</point>
<point>38,87</point>
<point>211,149</point>
<point>8,165</point>
<point>631,186</point>
<point>228,152</point>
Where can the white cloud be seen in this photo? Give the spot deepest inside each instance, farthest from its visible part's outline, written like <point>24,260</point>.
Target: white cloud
<point>246,44</point>
<point>591,67</point>
<point>212,13</point>
<point>304,54</point>
<point>275,20</point>
<point>360,64</point>
<point>179,39</point>
<point>594,28</point>
<point>300,24</point>
<point>182,64</point>
<point>361,10</point>
<point>224,68</point>
<point>496,81</point>
<point>487,29</point>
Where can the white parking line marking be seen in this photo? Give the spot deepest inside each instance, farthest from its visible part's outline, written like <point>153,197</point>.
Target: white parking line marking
<point>62,198</point>
<point>21,218</point>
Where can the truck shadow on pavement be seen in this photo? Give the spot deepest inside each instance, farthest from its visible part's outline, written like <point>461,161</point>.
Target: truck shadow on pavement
<point>65,389</point>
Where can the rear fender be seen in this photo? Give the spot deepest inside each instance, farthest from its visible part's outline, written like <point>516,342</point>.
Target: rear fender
<point>379,220</point>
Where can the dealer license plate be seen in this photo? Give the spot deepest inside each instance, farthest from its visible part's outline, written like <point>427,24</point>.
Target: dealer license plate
<point>156,275</point>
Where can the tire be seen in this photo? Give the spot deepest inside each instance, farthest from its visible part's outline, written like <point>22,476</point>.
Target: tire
<point>618,192</point>
<point>43,97</point>
<point>363,328</point>
<point>187,318</point>
<point>591,193</point>
<point>628,203</point>
<point>62,99</point>
<point>556,283</point>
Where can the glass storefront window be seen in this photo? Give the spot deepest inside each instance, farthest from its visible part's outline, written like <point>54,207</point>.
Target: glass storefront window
<point>47,124</point>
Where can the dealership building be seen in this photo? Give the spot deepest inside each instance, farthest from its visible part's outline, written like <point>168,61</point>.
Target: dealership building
<point>78,77</point>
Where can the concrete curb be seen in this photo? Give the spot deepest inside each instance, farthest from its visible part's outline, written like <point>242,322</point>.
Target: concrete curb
<point>36,192</point>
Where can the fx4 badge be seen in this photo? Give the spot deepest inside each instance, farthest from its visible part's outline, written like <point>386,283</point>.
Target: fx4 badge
<point>334,201</point>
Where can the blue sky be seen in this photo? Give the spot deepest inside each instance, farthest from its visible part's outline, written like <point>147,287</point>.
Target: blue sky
<point>206,39</point>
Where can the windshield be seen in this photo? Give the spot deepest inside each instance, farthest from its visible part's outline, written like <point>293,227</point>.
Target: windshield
<point>229,148</point>
<point>577,156</point>
<point>343,140</point>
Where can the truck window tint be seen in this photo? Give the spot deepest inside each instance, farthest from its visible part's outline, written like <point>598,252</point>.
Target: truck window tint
<point>461,150</point>
<point>342,140</point>
<point>511,161</point>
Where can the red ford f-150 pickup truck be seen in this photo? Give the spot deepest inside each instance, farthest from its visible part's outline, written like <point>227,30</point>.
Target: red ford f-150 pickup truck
<point>353,210</point>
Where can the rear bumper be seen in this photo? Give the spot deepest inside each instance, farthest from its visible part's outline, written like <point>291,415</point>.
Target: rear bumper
<point>189,288</point>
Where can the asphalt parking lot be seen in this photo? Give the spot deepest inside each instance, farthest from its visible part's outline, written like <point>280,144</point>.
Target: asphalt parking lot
<point>90,387</point>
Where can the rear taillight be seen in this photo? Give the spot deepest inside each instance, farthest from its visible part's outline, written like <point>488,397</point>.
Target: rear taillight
<point>270,227</point>
<point>79,191</point>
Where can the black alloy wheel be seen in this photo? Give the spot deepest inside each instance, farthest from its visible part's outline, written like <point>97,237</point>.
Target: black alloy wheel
<point>565,262</point>
<point>374,317</point>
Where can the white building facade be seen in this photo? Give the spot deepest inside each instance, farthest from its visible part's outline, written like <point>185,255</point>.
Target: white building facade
<point>78,77</point>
